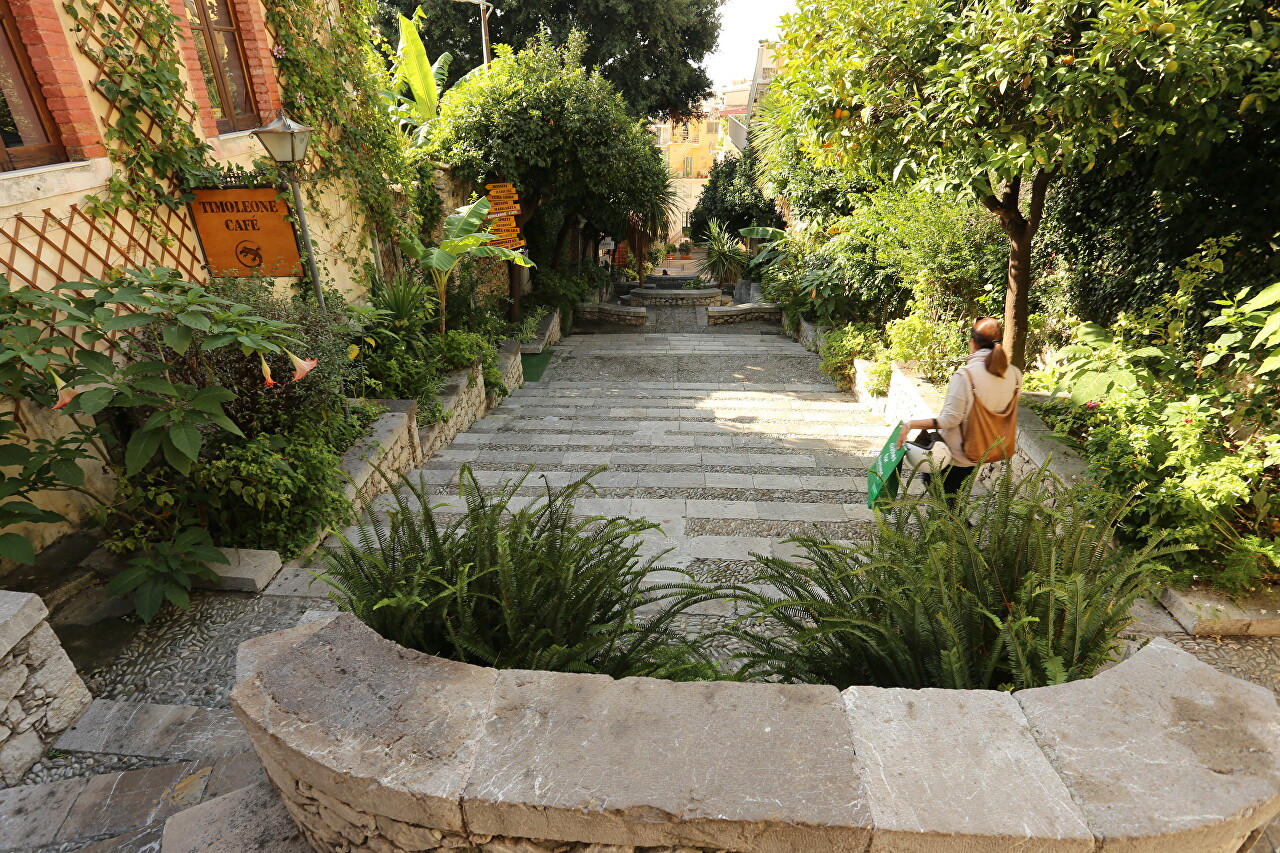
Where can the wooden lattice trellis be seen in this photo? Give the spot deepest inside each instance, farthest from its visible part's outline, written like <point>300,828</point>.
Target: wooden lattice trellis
<point>45,250</point>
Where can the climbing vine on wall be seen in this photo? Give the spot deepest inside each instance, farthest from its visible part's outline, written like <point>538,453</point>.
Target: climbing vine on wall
<point>156,152</point>
<point>330,77</point>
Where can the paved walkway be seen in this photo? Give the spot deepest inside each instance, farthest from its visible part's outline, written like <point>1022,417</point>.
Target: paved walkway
<point>729,438</point>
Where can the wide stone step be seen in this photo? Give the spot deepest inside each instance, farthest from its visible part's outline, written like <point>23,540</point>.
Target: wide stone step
<point>745,462</point>
<point>177,732</point>
<point>447,475</point>
<point>643,441</point>
<point>714,401</point>
<point>665,510</point>
<point>686,391</point>
<point>774,419</point>
<point>250,820</point>
<point>500,422</point>
<point>34,817</point>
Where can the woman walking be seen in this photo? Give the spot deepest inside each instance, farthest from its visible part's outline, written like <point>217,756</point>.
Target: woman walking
<point>979,416</point>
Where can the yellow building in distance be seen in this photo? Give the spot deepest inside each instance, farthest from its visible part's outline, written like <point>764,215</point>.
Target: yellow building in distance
<point>690,148</point>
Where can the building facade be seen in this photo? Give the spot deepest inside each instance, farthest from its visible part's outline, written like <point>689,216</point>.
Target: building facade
<point>88,143</point>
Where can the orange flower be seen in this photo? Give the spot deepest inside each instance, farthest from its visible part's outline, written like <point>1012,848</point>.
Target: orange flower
<point>266,372</point>
<point>301,366</point>
<point>65,394</point>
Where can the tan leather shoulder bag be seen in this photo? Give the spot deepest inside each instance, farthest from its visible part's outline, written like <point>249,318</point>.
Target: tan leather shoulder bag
<point>990,436</point>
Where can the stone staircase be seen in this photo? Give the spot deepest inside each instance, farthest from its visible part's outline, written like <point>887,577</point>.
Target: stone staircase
<point>197,787</point>
<point>731,443</point>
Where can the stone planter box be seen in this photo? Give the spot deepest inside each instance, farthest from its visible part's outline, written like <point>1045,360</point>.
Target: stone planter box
<point>373,746</point>
<point>390,445</point>
<point>548,334</point>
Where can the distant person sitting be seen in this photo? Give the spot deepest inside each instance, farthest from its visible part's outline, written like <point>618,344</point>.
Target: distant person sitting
<point>664,272</point>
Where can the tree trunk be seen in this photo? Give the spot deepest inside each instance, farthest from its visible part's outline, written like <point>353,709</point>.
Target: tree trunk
<point>570,223</point>
<point>1016,301</point>
<point>1021,231</point>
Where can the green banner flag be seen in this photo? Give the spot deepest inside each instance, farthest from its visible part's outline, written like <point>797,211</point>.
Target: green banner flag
<point>882,479</point>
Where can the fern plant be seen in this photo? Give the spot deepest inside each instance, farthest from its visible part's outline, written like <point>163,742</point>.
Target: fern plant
<point>533,587</point>
<point>1019,587</point>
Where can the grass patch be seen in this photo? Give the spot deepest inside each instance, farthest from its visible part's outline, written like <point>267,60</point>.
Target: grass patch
<point>535,364</point>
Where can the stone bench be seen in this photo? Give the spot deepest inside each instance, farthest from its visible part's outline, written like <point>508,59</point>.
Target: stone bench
<point>374,746</point>
<point>604,312</point>
<point>717,316</point>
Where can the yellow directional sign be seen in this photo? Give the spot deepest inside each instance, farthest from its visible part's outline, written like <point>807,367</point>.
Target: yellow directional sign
<point>504,204</point>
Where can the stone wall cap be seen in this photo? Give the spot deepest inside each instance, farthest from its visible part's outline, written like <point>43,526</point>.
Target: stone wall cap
<point>1163,745</point>
<point>20,612</point>
<point>649,762</point>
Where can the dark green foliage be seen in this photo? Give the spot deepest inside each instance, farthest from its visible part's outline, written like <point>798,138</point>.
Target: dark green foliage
<point>1120,238</point>
<point>528,588</point>
<point>732,197</point>
<point>566,288</point>
<point>1013,589</point>
<point>658,74</point>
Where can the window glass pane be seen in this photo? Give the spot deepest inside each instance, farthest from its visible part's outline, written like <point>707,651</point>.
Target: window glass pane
<point>233,73</point>
<point>19,119</point>
<point>219,13</point>
<point>210,82</point>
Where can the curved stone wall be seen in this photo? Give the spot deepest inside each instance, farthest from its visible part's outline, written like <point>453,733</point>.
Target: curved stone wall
<point>375,747</point>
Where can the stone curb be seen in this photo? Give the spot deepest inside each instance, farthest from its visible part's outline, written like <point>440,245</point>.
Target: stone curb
<point>717,316</point>
<point>366,739</point>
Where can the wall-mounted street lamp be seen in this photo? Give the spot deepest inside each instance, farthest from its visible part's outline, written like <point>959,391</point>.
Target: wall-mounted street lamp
<point>286,142</point>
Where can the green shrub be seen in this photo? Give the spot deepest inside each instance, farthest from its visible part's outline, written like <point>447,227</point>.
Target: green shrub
<point>1190,430</point>
<point>526,588</point>
<point>566,288</point>
<point>1008,590</point>
<point>842,347</point>
<point>926,340</point>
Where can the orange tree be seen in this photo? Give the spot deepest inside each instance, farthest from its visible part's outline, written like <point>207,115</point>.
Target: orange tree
<point>999,98</point>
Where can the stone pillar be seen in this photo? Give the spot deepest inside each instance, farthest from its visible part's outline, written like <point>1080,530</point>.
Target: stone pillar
<point>40,692</point>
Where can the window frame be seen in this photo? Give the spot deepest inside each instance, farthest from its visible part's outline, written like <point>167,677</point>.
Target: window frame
<point>204,30</point>
<point>29,156</point>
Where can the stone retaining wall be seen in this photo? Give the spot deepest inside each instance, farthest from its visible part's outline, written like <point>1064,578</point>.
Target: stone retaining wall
<point>40,692</point>
<point>377,748</point>
<point>717,316</point>
<point>390,446</point>
<point>512,367</point>
<point>652,296</point>
<point>463,400</point>
<point>604,312</point>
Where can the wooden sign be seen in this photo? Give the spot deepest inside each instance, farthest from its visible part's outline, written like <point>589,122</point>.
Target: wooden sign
<point>246,232</point>
<point>504,205</point>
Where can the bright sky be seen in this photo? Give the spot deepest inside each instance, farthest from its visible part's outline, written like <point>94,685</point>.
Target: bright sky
<point>742,24</point>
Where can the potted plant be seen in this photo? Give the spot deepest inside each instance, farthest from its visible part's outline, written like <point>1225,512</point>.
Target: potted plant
<point>670,250</point>
<point>686,250</point>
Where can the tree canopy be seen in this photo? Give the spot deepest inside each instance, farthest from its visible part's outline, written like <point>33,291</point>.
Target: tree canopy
<point>988,96</point>
<point>732,198</point>
<point>651,50</point>
<point>557,131</point>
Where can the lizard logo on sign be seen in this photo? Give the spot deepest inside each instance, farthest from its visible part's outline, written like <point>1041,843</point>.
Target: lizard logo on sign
<point>246,232</point>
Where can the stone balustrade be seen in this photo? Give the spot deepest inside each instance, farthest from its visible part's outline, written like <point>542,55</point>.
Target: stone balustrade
<point>40,692</point>
<point>374,747</point>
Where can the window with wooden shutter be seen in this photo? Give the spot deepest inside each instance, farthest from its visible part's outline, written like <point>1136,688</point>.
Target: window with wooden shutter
<point>28,135</point>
